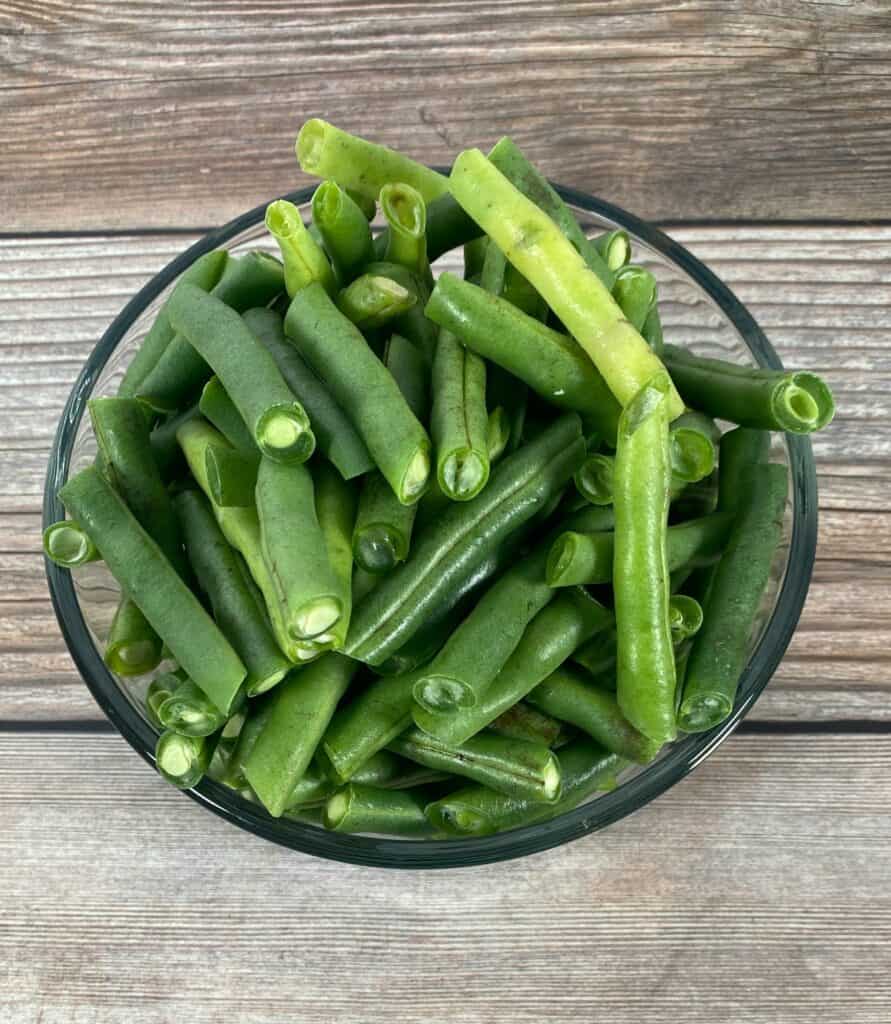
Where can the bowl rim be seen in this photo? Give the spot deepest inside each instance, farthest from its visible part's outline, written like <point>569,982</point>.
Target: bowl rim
<point>650,782</point>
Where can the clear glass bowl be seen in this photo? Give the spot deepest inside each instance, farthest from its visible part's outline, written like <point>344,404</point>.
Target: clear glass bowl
<point>696,309</point>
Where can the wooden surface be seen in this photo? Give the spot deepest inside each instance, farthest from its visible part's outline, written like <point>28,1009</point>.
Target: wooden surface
<point>755,891</point>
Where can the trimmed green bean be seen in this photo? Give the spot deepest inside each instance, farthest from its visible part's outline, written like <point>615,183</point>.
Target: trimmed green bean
<point>536,247</point>
<point>586,769</point>
<point>295,550</point>
<point>304,259</point>
<point>615,248</point>
<point>685,618</point>
<point>452,547</point>
<point>549,639</point>
<point>166,450</point>
<point>224,578</point>
<point>301,708</point>
<point>476,652</point>
<point>232,475</point>
<point>132,647</point>
<point>589,557</point>
<point>67,544</point>
<point>459,420</point>
<point>475,252</point>
<point>336,513</point>
<point>335,435</point>
<point>448,227</point>
<point>594,480</point>
<point>412,324</point>
<point>183,760</point>
<point>565,695</point>
<point>406,216</point>
<point>344,230</point>
<point>360,383</point>
<point>549,362</point>
<point>645,659</point>
<point>329,152</point>
<point>358,808</point>
<point>515,767</point>
<point>366,204</point>
<point>720,649</point>
<point>521,721</point>
<point>217,407</point>
<point>372,301</point>
<point>159,689</point>
<point>498,434</point>
<point>205,272</point>
<point>179,375</point>
<point>256,714</point>
<point>189,712</point>
<point>694,447</point>
<point>154,585</point>
<point>635,293</point>
<point>248,372</point>
<point>652,332</point>
<point>598,655</point>
<point>760,398</point>
<point>384,771</point>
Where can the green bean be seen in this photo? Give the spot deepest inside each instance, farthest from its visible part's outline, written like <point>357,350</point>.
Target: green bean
<point>645,660</point>
<point>615,248</point>
<point>694,447</point>
<point>179,375</point>
<point>302,707</point>
<point>383,524</point>
<point>364,389</point>
<point>549,362</point>
<point>218,769</point>
<point>165,449</point>
<point>159,689</point>
<point>303,257</point>
<point>635,293</point>
<point>761,398</point>
<point>232,475</point>
<point>547,641</point>
<point>384,771</point>
<point>498,434</point>
<point>344,229</point>
<point>722,645</point>
<point>247,371</point>
<point>217,407</point>
<point>366,204</point>
<point>372,301</point>
<point>475,258</point>
<point>295,550</point>
<point>328,152</point>
<point>183,760</point>
<point>588,519</point>
<point>154,585</point>
<point>685,618</point>
<point>586,769</point>
<point>237,610</point>
<point>337,439</point>
<point>476,652</point>
<point>594,480</point>
<point>565,695</point>
<point>205,272</point>
<point>189,712</point>
<point>406,216</point>
<point>652,332</point>
<point>122,433</point>
<point>358,808</point>
<point>336,513</point>
<point>366,725</point>
<point>536,247</point>
<point>521,721</point>
<point>459,420</point>
<point>515,767</point>
<point>448,227</point>
<point>132,647</point>
<point>412,324</point>
<point>498,277</point>
<point>589,557</point>
<point>67,544</point>
<point>598,655</point>
<point>449,550</point>
<point>257,712</point>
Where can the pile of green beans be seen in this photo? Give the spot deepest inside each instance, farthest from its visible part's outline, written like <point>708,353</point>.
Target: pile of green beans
<point>395,548</point>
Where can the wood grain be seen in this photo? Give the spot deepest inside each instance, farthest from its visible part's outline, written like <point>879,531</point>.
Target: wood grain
<point>129,902</point>
<point>820,293</point>
<point>170,114</point>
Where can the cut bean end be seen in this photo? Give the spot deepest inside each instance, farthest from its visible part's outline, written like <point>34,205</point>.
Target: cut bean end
<point>463,475</point>
<point>703,712</point>
<point>376,549</point>
<point>560,558</point>
<point>132,658</point>
<point>179,759</point>
<point>316,617</point>
<point>618,252</point>
<point>284,434</point>
<point>416,476</point>
<point>403,210</point>
<point>553,780</point>
<point>310,144</point>
<point>594,481</point>
<point>67,545</point>
<point>692,455</point>
<point>438,694</point>
<point>803,404</point>
<point>459,821</point>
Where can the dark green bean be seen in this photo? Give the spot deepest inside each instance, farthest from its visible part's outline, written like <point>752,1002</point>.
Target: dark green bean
<point>358,808</point>
<point>366,204</point>
<point>551,363</point>
<point>226,581</point>
<point>304,259</point>
<point>344,230</point>
<point>448,227</point>
<point>232,475</point>
<point>132,647</point>
<point>301,709</point>
<point>450,548</point>
<point>217,407</point>
<point>256,714</point>
<point>498,434</point>
<point>685,618</point>
<point>652,331</point>
<point>598,655</point>
<point>364,389</point>
<point>66,544</point>
<point>183,760</point>
<point>412,324</point>
<point>475,258</point>
<point>760,398</point>
<point>477,810</point>
<point>384,771</point>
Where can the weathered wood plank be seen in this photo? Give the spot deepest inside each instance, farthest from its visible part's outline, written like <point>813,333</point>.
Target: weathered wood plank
<point>56,297</point>
<point>134,904</point>
<point>693,110</point>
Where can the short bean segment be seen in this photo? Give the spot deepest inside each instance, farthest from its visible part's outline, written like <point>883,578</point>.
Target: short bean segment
<point>304,259</point>
<point>372,301</point>
<point>645,662</point>
<point>524,722</point>
<point>68,545</point>
<point>411,324</point>
<point>225,580</point>
<point>189,712</point>
<point>549,639</point>
<point>694,447</point>
<point>364,388</point>
<point>166,450</point>
<point>276,420</point>
<point>586,769</point>
<point>615,248</point>
<point>635,292</point>
<point>344,230</point>
<point>594,480</point>
<point>515,767</point>
<point>358,808</point>
<point>132,647</point>
<point>454,545</point>
<point>406,216</point>
<point>183,760</point>
<point>159,689</point>
<point>459,419</point>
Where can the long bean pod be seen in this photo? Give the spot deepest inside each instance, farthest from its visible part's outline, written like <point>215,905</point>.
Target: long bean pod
<point>304,259</point>
<point>344,230</point>
<point>461,539</point>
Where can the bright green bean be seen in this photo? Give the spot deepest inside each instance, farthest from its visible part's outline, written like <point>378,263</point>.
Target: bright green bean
<point>372,301</point>
<point>159,689</point>
<point>685,618</point>
<point>183,760</point>
<point>635,293</point>
<point>305,261</point>
<point>694,447</point>
<point>189,712</point>
<point>594,480</point>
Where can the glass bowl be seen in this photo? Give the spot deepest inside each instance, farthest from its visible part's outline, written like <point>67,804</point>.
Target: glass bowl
<point>696,310</point>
